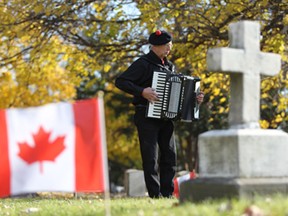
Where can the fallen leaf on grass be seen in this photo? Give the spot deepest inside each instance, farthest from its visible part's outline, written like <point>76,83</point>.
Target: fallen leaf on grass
<point>140,213</point>
<point>31,210</point>
<point>253,211</point>
<point>225,207</point>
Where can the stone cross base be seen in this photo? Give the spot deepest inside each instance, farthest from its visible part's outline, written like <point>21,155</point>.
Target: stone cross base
<point>227,158</point>
<point>218,188</point>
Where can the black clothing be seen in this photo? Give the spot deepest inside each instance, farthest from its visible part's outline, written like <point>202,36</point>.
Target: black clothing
<point>151,131</point>
<point>139,75</point>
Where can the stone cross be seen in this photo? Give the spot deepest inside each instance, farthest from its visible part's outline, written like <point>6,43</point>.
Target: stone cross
<point>245,63</point>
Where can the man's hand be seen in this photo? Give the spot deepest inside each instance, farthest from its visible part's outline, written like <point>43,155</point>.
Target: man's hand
<point>150,94</point>
<point>200,97</point>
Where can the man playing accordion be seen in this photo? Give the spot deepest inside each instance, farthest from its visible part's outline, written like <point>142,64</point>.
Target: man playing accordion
<point>155,134</point>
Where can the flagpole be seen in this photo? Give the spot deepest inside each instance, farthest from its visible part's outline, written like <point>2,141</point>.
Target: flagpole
<point>107,202</point>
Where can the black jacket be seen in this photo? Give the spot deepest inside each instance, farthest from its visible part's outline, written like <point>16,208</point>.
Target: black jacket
<point>139,75</point>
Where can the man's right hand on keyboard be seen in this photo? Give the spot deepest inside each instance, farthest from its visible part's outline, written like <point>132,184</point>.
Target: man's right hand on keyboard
<point>150,94</point>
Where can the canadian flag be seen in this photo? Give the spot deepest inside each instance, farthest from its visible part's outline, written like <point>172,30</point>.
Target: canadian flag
<point>179,180</point>
<point>55,147</point>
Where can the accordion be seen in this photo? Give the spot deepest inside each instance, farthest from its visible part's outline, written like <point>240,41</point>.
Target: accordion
<point>177,97</point>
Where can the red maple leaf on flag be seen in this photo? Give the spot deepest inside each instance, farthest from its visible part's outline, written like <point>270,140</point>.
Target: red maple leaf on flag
<point>43,150</point>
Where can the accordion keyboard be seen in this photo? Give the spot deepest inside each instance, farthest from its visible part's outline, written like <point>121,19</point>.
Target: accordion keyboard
<point>159,84</point>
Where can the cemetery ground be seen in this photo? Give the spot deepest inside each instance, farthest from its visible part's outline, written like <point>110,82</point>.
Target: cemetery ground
<point>47,204</point>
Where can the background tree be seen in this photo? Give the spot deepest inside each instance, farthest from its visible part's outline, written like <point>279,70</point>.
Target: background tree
<point>56,50</point>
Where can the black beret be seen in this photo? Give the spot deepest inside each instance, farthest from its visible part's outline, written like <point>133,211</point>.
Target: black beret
<point>160,38</point>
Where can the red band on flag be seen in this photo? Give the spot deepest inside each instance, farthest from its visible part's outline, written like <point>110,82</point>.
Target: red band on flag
<point>181,179</point>
<point>4,159</point>
<point>89,166</point>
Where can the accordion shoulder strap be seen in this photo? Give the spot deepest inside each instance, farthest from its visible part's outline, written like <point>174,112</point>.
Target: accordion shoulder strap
<point>171,70</point>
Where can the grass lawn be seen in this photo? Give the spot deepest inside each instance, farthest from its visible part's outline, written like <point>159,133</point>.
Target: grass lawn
<point>94,205</point>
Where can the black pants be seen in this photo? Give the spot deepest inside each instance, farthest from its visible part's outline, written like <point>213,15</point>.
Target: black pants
<point>156,139</point>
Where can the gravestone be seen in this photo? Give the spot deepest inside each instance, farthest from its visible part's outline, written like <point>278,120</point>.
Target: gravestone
<point>243,160</point>
<point>134,183</point>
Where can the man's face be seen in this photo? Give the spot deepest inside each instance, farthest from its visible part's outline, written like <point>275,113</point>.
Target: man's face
<point>164,50</point>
